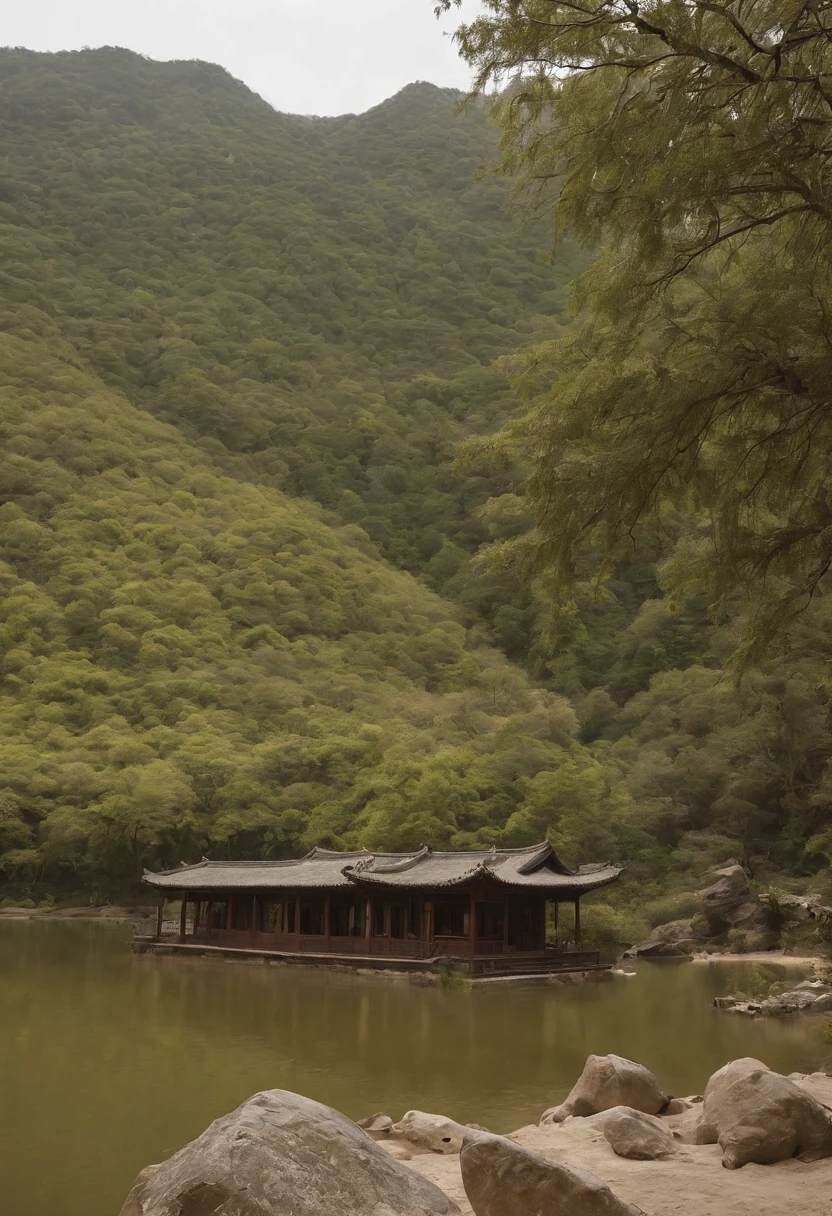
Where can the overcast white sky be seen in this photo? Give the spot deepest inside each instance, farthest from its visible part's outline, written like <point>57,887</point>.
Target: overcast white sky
<point>307,56</point>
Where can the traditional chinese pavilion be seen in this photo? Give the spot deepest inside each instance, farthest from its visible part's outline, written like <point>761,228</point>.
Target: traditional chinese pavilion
<point>483,911</point>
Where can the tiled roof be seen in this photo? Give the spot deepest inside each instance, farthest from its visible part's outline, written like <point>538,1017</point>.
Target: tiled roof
<point>534,868</point>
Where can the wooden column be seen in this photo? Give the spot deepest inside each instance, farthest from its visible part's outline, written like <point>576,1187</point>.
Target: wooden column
<point>472,926</point>
<point>255,913</point>
<point>505,926</point>
<point>160,911</point>
<point>197,905</point>
<point>229,913</point>
<point>368,927</point>
<point>327,899</point>
<point>209,917</point>
<point>183,918</point>
<point>557,907</point>
<point>577,922</point>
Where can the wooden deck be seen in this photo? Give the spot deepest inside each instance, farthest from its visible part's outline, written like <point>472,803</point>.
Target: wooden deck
<point>221,945</point>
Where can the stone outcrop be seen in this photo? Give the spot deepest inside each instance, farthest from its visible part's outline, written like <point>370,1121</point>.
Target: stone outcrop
<point>673,940</point>
<point>813,997</point>
<point>503,1179</point>
<point>756,1115</point>
<point>634,1134</point>
<point>281,1153</point>
<point>433,1133</point>
<point>729,904</point>
<point>730,913</point>
<point>609,1081</point>
<point>801,908</point>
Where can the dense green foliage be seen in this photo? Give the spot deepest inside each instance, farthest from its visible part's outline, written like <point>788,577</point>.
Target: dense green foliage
<point>241,608</point>
<point>193,664</point>
<point>693,147</point>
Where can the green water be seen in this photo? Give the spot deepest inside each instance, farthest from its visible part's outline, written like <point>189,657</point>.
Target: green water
<point>110,1061</point>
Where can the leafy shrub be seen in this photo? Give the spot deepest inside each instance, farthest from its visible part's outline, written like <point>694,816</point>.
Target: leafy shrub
<point>603,927</point>
<point>681,905</point>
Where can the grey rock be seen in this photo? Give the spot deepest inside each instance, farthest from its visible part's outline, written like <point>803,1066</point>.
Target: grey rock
<point>787,1002</point>
<point>816,986</point>
<point>678,1106</point>
<point>376,1125</point>
<point>802,908</point>
<point>730,890</point>
<point>758,1115</point>
<point>503,1179</point>
<point>729,903</point>
<point>673,940</point>
<point>434,1133</point>
<point>821,1004</point>
<point>281,1153</point>
<point>632,1133</point>
<point>609,1081</point>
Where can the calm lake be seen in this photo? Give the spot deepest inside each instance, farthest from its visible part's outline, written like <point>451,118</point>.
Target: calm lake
<point>109,1061</point>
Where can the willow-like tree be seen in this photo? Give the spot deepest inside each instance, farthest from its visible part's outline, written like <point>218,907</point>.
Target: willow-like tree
<point>690,142</point>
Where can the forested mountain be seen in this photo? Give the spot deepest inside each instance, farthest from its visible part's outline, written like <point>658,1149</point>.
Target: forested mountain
<point>242,610</point>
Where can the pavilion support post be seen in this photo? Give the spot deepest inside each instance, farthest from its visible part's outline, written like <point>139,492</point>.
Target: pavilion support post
<point>472,926</point>
<point>505,925</point>
<point>255,913</point>
<point>577,922</point>
<point>557,907</point>
<point>229,913</point>
<point>160,911</point>
<point>327,901</point>
<point>183,918</point>
<point>368,924</point>
<point>197,907</point>
<point>209,917</point>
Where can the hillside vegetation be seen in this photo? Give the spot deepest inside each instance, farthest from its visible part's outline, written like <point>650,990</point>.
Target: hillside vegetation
<point>241,608</point>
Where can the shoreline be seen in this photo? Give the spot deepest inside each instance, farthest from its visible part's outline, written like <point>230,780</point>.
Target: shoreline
<point>778,957</point>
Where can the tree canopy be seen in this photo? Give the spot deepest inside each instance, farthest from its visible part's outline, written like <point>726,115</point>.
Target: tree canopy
<point>691,144</point>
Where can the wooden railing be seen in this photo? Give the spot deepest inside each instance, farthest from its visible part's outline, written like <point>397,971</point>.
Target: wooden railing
<point>147,928</point>
<point>308,943</point>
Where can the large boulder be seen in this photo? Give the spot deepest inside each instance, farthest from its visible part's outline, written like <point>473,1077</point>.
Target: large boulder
<point>281,1153</point>
<point>632,1133</point>
<point>673,940</point>
<point>434,1133</point>
<point>758,1115</point>
<point>503,1179</point>
<point>609,1081</point>
<point>728,903</point>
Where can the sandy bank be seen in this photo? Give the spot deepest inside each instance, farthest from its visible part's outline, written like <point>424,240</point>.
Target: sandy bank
<point>778,957</point>
<point>692,1182</point>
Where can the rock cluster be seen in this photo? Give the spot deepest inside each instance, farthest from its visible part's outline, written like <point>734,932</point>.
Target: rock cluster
<point>731,914</point>
<point>813,997</point>
<point>754,1114</point>
<point>607,1082</point>
<point>727,905</point>
<point>282,1153</point>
